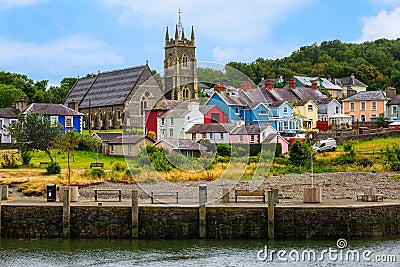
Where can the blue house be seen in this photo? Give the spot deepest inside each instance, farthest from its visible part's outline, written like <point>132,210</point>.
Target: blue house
<point>282,118</point>
<point>58,114</point>
<point>228,102</point>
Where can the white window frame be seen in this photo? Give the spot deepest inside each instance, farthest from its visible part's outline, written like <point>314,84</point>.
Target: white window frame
<point>221,136</point>
<point>373,105</point>
<point>193,136</point>
<point>1,122</point>
<point>310,108</point>
<point>211,135</point>
<point>54,120</point>
<point>285,110</point>
<point>237,110</point>
<point>129,148</point>
<point>252,138</point>
<point>171,133</point>
<point>162,122</point>
<point>353,117</point>
<point>262,112</point>
<point>171,120</point>
<point>363,105</point>
<point>373,117</point>
<point>240,138</point>
<point>352,106</point>
<point>394,110</point>
<point>67,118</point>
<point>204,135</point>
<point>112,149</point>
<point>364,117</point>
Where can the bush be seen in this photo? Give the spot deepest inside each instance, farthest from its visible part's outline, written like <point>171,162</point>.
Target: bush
<point>118,167</point>
<point>224,150</point>
<point>26,157</point>
<point>97,173</point>
<point>365,162</point>
<point>53,168</point>
<point>9,161</point>
<point>300,153</point>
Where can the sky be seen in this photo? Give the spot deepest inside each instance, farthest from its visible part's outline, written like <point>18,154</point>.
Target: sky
<point>55,39</point>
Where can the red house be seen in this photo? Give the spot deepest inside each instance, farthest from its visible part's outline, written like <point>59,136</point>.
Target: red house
<point>212,114</point>
<point>160,108</point>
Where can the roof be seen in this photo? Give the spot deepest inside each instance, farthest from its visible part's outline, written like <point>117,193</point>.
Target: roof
<point>395,100</point>
<point>281,94</point>
<point>9,113</point>
<point>126,139</point>
<point>105,89</point>
<point>349,81</point>
<point>183,144</point>
<point>304,93</point>
<point>270,137</point>
<point>251,129</point>
<point>329,85</point>
<point>230,99</point>
<point>204,109</point>
<point>166,104</point>
<point>212,128</point>
<point>179,111</point>
<point>107,136</point>
<point>367,95</point>
<point>306,80</point>
<point>51,109</point>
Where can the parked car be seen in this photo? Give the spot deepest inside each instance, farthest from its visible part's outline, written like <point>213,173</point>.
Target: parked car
<point>325,145</point>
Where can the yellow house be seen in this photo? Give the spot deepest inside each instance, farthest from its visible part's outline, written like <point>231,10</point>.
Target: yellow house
<point>308,111</point>
<point>127,145</point>
<point>350,82</point>
<point>365,106</point>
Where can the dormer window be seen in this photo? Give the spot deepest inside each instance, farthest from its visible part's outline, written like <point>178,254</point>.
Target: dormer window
<point>237,111</point>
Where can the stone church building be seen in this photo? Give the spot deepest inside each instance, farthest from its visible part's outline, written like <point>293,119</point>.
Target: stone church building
<point>112,99</point>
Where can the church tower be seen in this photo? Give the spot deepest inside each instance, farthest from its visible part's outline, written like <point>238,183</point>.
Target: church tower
<point>180,78</point>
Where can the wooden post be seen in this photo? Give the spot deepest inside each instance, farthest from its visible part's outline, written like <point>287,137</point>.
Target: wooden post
<point>225,195</point>
<point>276,195</point>
<point>0,211</point>
<point>66,214</point>
<point>202,211</point>
<point>135,214</point>
<point>271,215</point>
<point>4,192</point>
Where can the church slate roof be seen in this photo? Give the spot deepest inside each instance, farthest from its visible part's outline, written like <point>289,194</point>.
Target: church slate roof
<point>106,89</point>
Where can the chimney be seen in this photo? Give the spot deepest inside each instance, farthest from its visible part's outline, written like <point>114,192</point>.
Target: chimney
<point>21,104</point>
<point>390,92</point>
<point>314,85</point>
<point>268,84</point>
<point>73,105</point>
<point>353,75</point>
<point>350,91</point>
<point>246,85</point>
<point>292,83</point>
<point>219,88</point>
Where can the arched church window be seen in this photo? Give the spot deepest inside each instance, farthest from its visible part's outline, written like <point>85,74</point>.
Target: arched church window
<point>170,63</point>
<point>185,93</point>
<point>185,61</point>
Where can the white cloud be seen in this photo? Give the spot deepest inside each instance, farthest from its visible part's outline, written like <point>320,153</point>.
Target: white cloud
<point>383,25</point>
<point>233,28</point>
<point>6,4</point>
<point>63,56</point>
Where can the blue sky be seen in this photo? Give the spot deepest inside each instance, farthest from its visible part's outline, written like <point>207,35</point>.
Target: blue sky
<point>54,39</point>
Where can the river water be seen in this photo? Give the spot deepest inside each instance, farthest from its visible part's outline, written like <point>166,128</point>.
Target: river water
<point>95,252</point>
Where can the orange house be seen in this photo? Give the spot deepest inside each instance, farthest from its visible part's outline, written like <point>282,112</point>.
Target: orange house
<point>365,106</point>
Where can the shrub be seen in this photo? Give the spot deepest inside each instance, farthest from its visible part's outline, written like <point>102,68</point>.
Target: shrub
<point>365,162</point>
<point>300,153</point>
<point>97,173</point>
<point>53,168</point>
<point>118,166</point>
<point>26,157</point>
<point>224,150</point>
<point>9,161</point>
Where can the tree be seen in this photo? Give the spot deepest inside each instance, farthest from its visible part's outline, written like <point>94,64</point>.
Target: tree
<point>9,94</point>
<point>381,121</point>
<point>68,143</point>
<point>92,143</point>
<point>152,135</point>
<point>35,132</point>
<point>300,153</point>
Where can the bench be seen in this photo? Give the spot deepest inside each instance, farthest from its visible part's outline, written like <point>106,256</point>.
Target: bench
<point>43,164</point>
<point>163,195</point>
<point>107,192</point>
<point>247,193</point>
<point>97,164</point>
<point>370,195</point>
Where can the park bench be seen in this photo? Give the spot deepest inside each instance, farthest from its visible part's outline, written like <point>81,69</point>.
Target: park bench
<point>249,194</point>
<point>369,195</point>
<point>97,164</point>
<point>163,195</point>
<point>43,164</point>
<point>107,192</point>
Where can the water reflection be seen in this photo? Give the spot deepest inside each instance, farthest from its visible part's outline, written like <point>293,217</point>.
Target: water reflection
<point>94,252</point>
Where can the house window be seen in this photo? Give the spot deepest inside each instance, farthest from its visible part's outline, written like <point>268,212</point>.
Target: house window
<point>285,110</point>
<point>373,105</point>
<point>204,135</point>
<point>373,117</point>
<point>221,136</point>
<point>352,106</point>
<point>163,133</point>
<point>362,107</point>
<point>171,133</point>
<point>262,112</point>
<point>193,136</point>
<point>172,121</point>
<point>1,123</point>
<point>1,138</point>
<point>112,149</point>
<point>211,135</point>
<point>68,121</point>
<point>215,117</point>
<point>394,111</point>
<point>240,138</point>
<point>362,117</point>
<point>236,110</point>
<point>337,110</point>
<point>129,149</point>
<point>252,138</point>
<point>310,108</point>
<point>285,125</point>
<point>54,120</point>
<point>162,121</point>
<point>352,117</point>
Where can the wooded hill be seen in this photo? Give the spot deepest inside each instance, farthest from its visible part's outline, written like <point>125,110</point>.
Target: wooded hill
<point>376,63</point>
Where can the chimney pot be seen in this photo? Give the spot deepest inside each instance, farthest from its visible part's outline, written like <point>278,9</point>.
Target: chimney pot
<point>268,84</point>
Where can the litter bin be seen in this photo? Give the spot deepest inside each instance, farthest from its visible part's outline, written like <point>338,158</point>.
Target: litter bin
<point>51,192</point>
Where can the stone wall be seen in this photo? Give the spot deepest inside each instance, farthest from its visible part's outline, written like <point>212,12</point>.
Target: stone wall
<point>341,137</point>
<point>172,222</point>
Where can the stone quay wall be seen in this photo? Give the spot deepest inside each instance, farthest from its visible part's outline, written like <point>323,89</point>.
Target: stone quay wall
<point>222,222</point>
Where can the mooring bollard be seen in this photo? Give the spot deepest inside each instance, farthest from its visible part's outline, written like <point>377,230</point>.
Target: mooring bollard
<point>276,195</point>
<point>4,192</point>
<point>135,214</point>
<point>202,210</point>
<point>225,195</point>
<point>271,215</point>
<point>66,214</point>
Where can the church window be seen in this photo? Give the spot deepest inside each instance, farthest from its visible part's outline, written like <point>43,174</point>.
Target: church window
<point>170,60</point>
<point>185,93</point>
<point>185,60</point>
